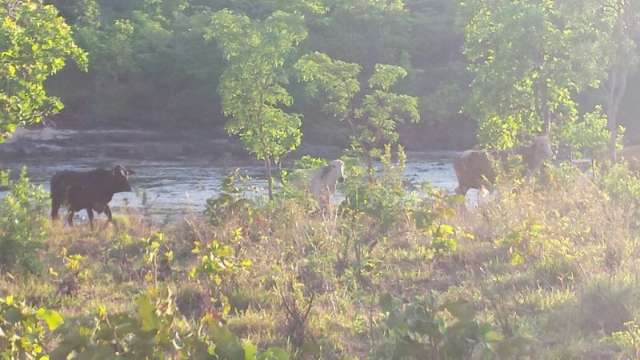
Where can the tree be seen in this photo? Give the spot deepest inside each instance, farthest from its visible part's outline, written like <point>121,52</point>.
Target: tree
<point>529,60</point>
<point>588,137</point>
<point>252,86</point>
<point>373,122</point>
<point>381,110</point>
<point>333,81</point>
<point>623,58</point>
<point>34,44</point>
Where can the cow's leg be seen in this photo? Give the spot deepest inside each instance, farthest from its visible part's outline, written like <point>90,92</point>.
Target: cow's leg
<point>90,215</point>
<point>108,212</point>
<point>55,207</point>
<point>70,214</point>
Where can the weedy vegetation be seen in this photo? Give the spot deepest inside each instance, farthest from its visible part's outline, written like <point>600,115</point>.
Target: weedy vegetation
<point>546,270</point>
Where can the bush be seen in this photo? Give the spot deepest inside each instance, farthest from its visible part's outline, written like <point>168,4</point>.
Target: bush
<point>23,224</point>
<point>381,196</point>
<point>154,330</point>
<point>621,185</point>
<point>231,201</point>
<point>605,307</point>
<point>23,330</point>
<point>429,328</point>
<point>629,339</point>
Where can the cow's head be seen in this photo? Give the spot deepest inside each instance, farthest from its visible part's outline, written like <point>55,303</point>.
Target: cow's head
<point>337,167</point>
<point>121,179</point>
<point>537,153</point>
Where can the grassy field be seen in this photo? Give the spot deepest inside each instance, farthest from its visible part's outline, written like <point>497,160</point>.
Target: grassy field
<point>547,270</point>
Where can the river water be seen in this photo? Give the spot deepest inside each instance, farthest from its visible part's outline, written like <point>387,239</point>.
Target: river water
<point>176,188</point>
<point>166,189</point>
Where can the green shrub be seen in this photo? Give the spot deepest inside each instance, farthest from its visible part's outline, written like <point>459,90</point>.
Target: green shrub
<point>155,330</point>
<point>23,224</point>
<point>309,162</point>
<point>427,328</point>
<point>381,196</point>
<point>588,137</point>
<point>231,200</point>
<point>621,185</point>
<point>190,301</point>
<point>605,307</point>
<point>23,330</point>
<point>628,339</point>
<point>217,268</point>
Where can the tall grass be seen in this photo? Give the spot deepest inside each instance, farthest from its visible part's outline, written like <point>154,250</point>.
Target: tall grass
<point>546,270</point>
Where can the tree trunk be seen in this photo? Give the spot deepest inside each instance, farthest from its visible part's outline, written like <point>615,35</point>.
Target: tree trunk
<point>546,112</point>
<point>618,74</point>
<point>543,106</point>
<point>269,177</point>
<point>616,96</point>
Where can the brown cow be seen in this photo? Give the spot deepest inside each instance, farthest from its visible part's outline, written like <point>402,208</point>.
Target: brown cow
<point>475,169</point>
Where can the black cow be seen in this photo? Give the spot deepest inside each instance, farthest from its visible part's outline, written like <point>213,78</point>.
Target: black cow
<point>89,190</point>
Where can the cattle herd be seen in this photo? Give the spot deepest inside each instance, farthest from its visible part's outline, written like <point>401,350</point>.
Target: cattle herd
<point>475,169</point>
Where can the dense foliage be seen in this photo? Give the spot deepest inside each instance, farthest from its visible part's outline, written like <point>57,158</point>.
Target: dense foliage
<point>35,42</point>
<point>23,224</point>
<point>149,63</point>
<point>251,87</point>
<point>545,269</point>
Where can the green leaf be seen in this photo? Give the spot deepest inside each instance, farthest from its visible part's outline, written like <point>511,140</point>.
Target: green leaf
<point>146,313</point>
<point>227,344</point>
<point>274,354</point>
<point>462,310</point>
<point>13,315</point>
<point>385,76</point>
<point>493,336</point>
<point>52,318</point>
<point>252,86</point>
<point>250,350</point>
<point>40,43</point>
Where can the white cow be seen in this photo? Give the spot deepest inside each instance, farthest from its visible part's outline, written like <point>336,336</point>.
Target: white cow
<point>631,154</point>
<point>324,180</point>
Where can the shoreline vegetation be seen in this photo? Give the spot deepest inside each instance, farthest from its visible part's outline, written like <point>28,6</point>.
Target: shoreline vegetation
<point>545,268</point>
<point>539,272</point>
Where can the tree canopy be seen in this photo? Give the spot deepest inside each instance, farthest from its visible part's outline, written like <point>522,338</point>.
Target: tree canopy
<point>529,60</point>
<point>35,43</point>
<point>252,86</point>
<point>531,64</point>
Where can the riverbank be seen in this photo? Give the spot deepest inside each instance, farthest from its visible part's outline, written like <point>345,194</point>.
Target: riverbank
<point>175,174</point>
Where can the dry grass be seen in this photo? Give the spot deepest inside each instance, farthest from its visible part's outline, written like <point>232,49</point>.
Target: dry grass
<point>556,261</point>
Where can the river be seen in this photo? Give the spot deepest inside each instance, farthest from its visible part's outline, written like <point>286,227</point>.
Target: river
<point>165,189</point>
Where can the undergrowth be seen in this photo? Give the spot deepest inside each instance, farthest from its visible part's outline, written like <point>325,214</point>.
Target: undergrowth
<point>548,269</point>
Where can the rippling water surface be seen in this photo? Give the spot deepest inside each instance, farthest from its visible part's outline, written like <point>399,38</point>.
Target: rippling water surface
<point>173,188</point>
